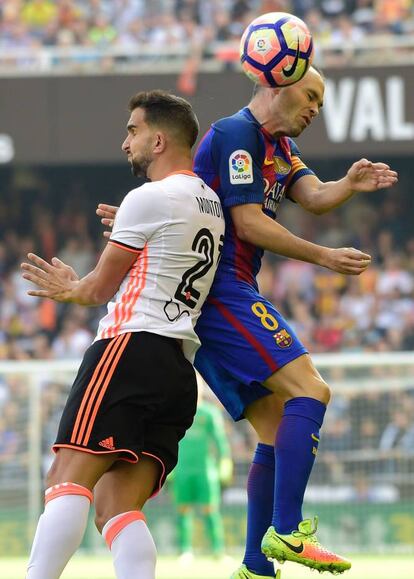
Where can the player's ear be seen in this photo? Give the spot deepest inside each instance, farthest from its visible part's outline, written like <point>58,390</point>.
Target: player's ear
<point>160,142</point>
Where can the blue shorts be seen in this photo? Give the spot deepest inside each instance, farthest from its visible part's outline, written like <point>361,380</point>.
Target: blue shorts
<point>244,340</point>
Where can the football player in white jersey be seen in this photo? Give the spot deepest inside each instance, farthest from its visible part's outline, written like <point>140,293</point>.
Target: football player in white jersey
<point>135,393</point>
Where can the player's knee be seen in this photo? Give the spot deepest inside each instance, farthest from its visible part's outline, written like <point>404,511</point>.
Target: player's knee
<point>326,393</point>
<point>100,520</point>
<point>52,476</point>
<point>317,389</point>
<point>313,387</point>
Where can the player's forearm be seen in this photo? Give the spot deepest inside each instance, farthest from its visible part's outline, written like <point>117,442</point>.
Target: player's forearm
<point>272,236</point>
<point>330,195</point>
<point>88,292</point>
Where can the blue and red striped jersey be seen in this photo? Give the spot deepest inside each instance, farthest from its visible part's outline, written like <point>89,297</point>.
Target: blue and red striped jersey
<point>244,163</point>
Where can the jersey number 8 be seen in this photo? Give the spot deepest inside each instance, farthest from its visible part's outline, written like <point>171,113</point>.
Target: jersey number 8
<point>268,321</point>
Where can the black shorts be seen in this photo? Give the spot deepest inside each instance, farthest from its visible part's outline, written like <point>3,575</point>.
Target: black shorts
<point>135,394</point>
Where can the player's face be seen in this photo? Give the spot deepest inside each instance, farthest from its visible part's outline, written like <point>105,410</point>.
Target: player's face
<point>299,104</point>
<point>139,143</point>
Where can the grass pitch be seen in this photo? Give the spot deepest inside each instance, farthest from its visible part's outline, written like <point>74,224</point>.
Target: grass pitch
<point>363,567</point>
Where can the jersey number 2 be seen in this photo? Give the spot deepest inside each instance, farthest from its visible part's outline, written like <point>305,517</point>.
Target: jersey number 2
<point>203,243</point>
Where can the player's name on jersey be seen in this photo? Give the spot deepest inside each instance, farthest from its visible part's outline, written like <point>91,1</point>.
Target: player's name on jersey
<point>210,207</point>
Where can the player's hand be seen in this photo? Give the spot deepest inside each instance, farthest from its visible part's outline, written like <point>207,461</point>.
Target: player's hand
<point>56,279</point>
<point>226,471</point>
<point>107,214</point>
<point>365,176</point>
<point>347,260</point>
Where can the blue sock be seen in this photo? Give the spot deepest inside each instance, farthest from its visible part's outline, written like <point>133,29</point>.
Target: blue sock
<point>295,450</point>
<point>260,490</point>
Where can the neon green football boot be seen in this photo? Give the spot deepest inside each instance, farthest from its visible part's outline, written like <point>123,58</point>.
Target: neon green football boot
<point>302,546</point>
<point>243,573</point>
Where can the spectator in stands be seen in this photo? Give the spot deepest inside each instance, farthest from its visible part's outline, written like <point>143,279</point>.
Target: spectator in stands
<point>101,23</point>
<point>101,33</point>
<point>79,254</point>
<point>38,13</point>
<point>398,433</point>
<point>72,340</point>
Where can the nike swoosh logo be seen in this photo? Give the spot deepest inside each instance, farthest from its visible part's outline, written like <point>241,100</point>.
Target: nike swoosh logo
<point>290,71</point>
<point>315,437</point>
<point>294,548</point>
<point>268,161</point>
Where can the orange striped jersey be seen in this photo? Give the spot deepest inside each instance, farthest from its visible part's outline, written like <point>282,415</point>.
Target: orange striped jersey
<point>176,227</point>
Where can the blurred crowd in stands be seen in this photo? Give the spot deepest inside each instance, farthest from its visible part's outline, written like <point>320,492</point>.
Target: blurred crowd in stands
<point>160,24</point>
<point>53,213</point>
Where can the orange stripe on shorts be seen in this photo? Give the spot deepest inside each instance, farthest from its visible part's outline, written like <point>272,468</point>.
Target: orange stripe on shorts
<point>97,377</point>
<point>100,391</point>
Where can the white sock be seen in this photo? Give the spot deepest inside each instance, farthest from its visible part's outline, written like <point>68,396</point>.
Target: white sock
<point>59,531</point>
<point>132,546</point>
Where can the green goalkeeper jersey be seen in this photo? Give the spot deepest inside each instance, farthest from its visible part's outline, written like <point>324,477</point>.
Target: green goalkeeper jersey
<point>205,444</point>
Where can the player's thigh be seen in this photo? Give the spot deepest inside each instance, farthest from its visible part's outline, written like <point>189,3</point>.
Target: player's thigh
<point>82,468</point>
<point>250,338</point>
<point>245,340</point>
<point>299,378</point>
<point>125,487</point>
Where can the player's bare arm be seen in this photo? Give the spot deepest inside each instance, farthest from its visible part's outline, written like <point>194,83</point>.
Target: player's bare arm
<point>364,176</point>
<point>253,226</point>
<point>59,282</point>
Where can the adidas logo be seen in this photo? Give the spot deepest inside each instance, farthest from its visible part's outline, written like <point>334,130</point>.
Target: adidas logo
<point>108,443</point>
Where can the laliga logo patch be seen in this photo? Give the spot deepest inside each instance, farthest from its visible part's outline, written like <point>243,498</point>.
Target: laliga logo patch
<point>283,339</point>
<point>262,45</point>
<point>240,163</point>
<point>241,167</point>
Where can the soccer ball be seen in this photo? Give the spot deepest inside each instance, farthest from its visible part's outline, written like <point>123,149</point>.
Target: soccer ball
<point>276,49</point>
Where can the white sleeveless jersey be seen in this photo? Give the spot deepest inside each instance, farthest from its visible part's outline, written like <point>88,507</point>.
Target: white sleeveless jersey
<point>175,226</point>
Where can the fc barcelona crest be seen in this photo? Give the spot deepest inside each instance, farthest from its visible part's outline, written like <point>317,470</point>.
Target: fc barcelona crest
<point>283,339</point>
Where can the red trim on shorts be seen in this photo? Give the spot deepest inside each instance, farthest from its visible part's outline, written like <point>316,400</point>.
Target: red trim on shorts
<point>67,488</point>
<point>231,318</point>
<point>162,477</point>
<point>56,447</point>
<point>126,247</point>
<point>100,380</point>
<point>120,523</point>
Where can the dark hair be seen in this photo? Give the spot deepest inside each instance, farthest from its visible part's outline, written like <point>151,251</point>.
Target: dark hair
<point>168,111</point>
